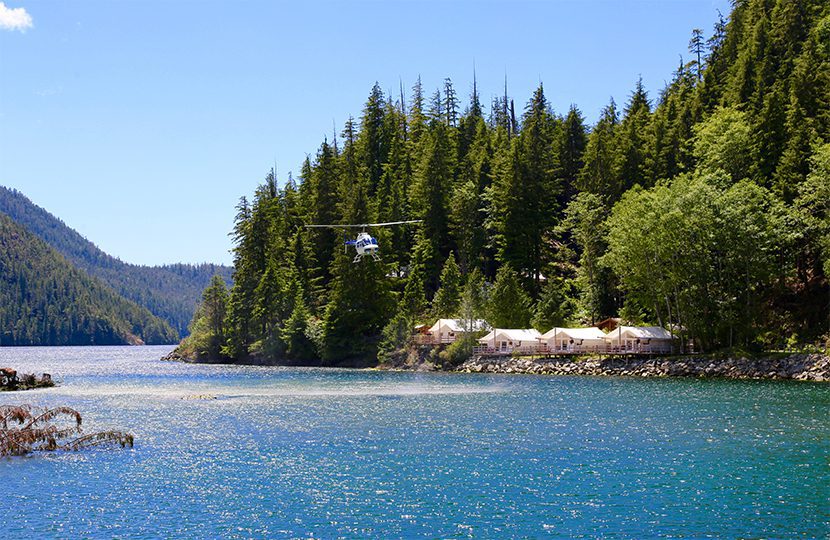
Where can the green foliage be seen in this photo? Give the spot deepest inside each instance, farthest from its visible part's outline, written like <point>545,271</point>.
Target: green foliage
<point>585,220</point>
<point>525,190</point>
<point>395,336</point>
<point>430,202</point>
<point>632,146</point>
<point>414,301</point>
<point>360,301</point>
<point>358,310</point>
<point>554,308</point>
<point>599,174</point>
<point>813,205</point>
<point>508,305</point>
<point>692,255</point>
<point>44,300</point>
<point>170,292</point>
<point>724,143</point>
<point>207,330</point>
<point>473,303</point>
<point>719,220</point>
<point>299,345</point>
<point>459,350</point>
<point>447,301</point>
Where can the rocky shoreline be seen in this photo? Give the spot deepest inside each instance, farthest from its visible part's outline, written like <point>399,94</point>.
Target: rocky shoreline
<point>813,367</point>
<point>801,367</point>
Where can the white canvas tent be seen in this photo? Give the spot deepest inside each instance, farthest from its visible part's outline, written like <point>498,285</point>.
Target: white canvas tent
<point>447,330</point>
<point>640,339</point>
<point>510,339</point>
<point>590,339</point>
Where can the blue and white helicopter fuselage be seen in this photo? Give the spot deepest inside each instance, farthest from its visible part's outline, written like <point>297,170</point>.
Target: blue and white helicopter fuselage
<point>365,244</point>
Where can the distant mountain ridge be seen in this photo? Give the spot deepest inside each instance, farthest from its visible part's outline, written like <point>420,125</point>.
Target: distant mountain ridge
<point>170,292</point>
<point>45,300</point>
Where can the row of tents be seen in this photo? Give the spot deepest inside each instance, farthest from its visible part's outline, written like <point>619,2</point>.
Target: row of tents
<point>622,339</point>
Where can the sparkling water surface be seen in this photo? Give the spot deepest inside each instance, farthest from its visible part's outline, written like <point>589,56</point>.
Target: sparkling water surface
<point>313,453</point>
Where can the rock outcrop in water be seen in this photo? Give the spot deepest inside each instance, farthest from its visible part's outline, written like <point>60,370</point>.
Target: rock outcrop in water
<point>802,367</point>
<point>11,380</point>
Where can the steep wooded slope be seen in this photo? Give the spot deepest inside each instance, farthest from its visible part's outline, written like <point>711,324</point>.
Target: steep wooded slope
<point>170,292</point>
<point>44,300</point>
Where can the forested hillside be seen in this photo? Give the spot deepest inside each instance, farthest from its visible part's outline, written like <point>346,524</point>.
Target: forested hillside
<point>705,208</point>
<point>44,300</point>
<point>170,292</point>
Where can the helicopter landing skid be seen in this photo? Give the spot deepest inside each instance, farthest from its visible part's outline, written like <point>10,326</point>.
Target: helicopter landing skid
<point>359,257</point>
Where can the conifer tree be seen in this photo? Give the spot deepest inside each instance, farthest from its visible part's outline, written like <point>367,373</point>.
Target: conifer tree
<point>360,303</point>
<point>325,187</point>
<point>414,302</point>
<point>447,300</point>
<point>585,219</point>
<point>207,333</point>
<point>571,146</point>
<point>430,203</point>
<point>241,299</point>
<point>294,332</point>
<point>418,118</point>
<point>553,307</point>
<point>632,145</point>
<point>468,204</point>
<point>599,175</point>
<point>473,299</point>
<point>508,305</point>
<point>450,104</point>
<point>696,45</point>
<point>373,141</point>
<point>525,197</point>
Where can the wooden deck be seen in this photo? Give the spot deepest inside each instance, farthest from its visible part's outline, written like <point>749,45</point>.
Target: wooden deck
<point>429,339</point>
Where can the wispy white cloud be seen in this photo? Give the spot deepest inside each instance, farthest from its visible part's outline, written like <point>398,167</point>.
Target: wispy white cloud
<point>46,92</point>
<point>14,18</point>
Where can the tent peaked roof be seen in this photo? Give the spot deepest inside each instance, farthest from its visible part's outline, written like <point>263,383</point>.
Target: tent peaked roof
<point>642,332</point>
<point>458,325</point>
<point>590,332</point>
<point>513,334</point>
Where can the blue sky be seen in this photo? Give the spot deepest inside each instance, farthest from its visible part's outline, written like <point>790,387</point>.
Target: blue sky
<point>141,123</point>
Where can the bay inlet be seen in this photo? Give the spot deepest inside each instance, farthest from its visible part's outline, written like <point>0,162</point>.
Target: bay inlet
<point>246,451</point>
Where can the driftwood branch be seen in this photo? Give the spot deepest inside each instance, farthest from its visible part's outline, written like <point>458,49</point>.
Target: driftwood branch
<point>24,429</point>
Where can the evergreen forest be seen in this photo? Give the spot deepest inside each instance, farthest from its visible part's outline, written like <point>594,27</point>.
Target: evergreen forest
<point>704,208</point>
<point>45,300</point>
<point>170,292</point>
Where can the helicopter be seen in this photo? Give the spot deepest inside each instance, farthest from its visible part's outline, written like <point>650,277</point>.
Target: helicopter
<point>365,244</point>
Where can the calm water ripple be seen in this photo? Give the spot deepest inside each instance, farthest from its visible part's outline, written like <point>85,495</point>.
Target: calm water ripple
<point>254,452</point>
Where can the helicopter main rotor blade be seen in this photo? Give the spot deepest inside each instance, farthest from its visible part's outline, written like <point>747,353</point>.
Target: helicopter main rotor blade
<point>334,226</point>
<point>363,225</point>
<point>393,223</point>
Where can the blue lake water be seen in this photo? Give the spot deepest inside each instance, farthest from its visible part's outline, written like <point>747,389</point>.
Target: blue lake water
<point>301,453</point>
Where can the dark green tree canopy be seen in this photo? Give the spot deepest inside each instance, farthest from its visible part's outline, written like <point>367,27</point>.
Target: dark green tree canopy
<point>699,208</point>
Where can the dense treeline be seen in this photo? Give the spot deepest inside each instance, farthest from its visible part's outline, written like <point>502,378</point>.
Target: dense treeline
<point>704,209</point>
<point>170,291</point>
<point>44,300</point>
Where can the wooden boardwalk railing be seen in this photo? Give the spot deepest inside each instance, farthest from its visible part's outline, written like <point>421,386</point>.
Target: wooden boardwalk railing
<point>576,350</point>
<point>429,339</point>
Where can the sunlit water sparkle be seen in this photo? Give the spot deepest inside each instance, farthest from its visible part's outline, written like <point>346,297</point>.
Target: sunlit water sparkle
<point>259,452</point>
